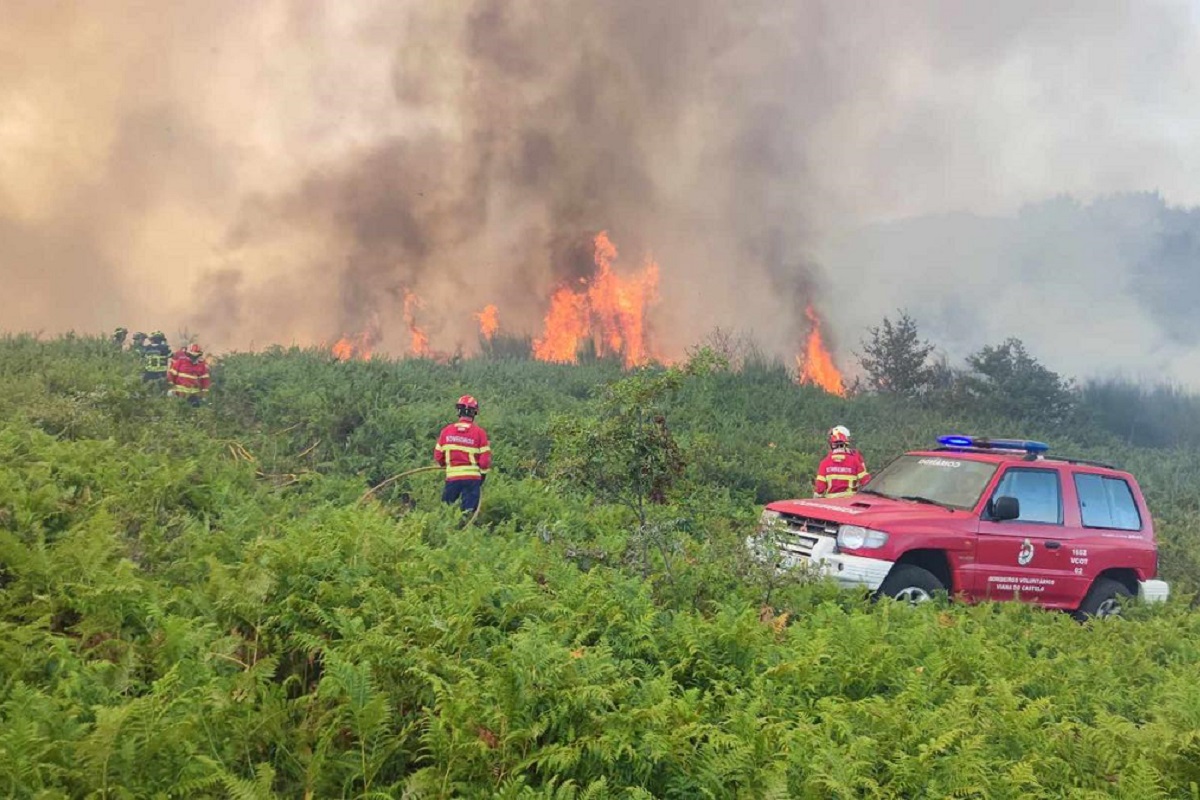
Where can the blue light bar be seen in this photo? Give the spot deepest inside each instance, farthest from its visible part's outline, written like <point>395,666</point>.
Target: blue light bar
<point>983,443</point>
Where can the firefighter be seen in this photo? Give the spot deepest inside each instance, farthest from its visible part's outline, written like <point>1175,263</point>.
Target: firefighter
<point>843,471</point>
<point>463,449</point>
<point>188,375</point>
<point>119,337</point>
<point>156,355</point>
<point>139,343</point>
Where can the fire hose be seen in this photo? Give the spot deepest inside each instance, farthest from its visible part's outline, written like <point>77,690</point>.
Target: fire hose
<point>393,479</point>
<point>406,474</point>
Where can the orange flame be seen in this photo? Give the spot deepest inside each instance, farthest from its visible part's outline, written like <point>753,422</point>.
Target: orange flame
<point>611,310</point>
<point>489,322</point>
<point>567,324</point>
<point>816,365</point>
<point>354,347</point>
<point>420,340</point>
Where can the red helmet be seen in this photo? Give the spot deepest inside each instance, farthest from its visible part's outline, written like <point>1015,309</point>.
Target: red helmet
<point>194,350</point>
<point>468,403</point>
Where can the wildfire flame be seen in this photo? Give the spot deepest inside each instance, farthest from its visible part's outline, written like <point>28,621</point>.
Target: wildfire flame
<point>351,347</point>
<point>606,310</point>
<point>420,340</point>
<point>566,326</point>
<point>610,309</point>
<point>816,365</point>
<point>358,345</point>
<point>489,322</point>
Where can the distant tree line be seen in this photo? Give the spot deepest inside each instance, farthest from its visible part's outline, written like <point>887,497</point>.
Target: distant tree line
<point>1008,381</point>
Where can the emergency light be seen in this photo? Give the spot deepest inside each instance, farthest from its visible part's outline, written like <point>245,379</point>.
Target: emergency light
<point>983,443</point>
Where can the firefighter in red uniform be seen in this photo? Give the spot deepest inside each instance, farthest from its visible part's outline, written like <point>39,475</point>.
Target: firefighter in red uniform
<point>843,471</point>
<point>464,451</point>
<point>188,375</point>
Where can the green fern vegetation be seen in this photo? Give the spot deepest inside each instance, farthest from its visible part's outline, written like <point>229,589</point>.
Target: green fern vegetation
<point>202,603</point>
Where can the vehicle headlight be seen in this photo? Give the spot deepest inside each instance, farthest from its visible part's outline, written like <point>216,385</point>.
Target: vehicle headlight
<point>854,537</point>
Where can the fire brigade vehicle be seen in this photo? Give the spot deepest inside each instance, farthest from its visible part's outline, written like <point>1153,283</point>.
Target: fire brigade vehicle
<point>979,519</point>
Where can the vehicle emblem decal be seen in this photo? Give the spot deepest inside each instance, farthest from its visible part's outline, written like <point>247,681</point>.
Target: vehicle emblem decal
<point>1025,555</point>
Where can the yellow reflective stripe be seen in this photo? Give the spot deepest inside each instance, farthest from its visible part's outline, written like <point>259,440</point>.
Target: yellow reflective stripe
<point>464,449</point>
<point>851,483</point>
<point>472,453</point>
<point>186,389</point>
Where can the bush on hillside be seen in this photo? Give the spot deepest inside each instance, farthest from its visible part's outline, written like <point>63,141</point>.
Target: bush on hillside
<point>1008,381</point>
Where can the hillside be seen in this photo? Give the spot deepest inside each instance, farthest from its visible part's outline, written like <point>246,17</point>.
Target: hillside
<point>202,603</point>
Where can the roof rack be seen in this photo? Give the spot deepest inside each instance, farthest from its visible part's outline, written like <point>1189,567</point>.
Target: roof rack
<point>1084,461</point>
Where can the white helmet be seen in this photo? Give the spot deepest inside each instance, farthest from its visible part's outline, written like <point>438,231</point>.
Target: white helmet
<point>839,436</point>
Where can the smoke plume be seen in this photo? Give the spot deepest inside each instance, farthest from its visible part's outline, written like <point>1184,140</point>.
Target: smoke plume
<point>289,170</point>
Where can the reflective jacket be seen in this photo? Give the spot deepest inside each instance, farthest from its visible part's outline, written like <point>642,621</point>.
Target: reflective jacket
<point>463,449</point>
<point>157,359</point>
<point>188,377</point>
<point>841,472</point>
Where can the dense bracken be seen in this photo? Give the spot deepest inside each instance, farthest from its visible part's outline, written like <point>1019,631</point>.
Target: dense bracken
<point>201,603</point>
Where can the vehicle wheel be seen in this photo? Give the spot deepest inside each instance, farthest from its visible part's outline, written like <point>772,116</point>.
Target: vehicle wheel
<point>911,584</point>
<point>1104,599</point>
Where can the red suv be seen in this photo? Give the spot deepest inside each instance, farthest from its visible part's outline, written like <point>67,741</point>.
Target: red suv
<point>981,519</point>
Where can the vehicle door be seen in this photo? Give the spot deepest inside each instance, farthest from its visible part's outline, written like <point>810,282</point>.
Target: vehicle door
<point>1112,529</point>
<point>1026,557</point>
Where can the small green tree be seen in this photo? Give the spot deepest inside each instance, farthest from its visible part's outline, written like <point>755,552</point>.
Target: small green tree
<point>627,455</point>
<point>895,358</point>
<point>1011,382</point>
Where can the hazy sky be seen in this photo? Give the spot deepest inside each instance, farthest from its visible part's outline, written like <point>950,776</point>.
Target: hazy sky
<point>285,170</point>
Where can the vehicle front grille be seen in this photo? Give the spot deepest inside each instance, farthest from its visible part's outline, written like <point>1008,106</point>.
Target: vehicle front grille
<point>800,536</point>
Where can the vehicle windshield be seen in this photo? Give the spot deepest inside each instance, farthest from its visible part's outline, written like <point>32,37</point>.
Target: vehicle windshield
<point>944,480</point>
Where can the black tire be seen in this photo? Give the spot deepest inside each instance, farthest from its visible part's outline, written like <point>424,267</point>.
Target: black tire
<point>910,583</point>
<point>1104,599</point>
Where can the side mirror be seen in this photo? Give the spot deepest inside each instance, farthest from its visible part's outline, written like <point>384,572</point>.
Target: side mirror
<point>1004,508</point>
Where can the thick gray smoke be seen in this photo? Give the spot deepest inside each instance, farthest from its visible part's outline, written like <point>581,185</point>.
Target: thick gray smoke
<point>289,170</point>
<point>1106,288</point>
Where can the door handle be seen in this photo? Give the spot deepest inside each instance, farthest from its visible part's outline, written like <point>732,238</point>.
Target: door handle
<point>1053,545</point>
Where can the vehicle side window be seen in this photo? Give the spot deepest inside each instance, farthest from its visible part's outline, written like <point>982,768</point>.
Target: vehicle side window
<point>1107,503</point>
<point>1038,492</point>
